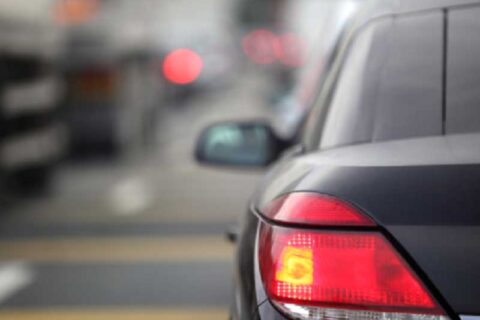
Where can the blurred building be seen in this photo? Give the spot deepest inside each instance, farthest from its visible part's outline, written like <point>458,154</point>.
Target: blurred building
<point>31,91</point>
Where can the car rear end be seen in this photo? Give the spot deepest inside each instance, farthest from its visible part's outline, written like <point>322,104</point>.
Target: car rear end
<point>378,218</point>
<point>373,233</point>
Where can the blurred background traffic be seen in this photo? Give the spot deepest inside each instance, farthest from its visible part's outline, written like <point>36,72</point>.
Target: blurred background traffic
<point>103,211</point>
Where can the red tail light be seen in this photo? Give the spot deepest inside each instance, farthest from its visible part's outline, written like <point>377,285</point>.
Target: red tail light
<point>182,66</point>
<point>312,209</point>
<point>317,274</point>
<point>259,46</point>
<point>290,50</point>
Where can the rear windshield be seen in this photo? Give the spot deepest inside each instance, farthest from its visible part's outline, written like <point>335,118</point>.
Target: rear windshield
<point>405,77</point>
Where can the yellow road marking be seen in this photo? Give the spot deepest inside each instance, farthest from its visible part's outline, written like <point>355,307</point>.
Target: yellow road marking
<point>117,249</point>
<point>117,314</point>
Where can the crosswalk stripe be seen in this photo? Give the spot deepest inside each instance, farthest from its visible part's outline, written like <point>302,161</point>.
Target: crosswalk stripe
<point>13,277</point>
<point>115,313</point>
<point>117,249</point>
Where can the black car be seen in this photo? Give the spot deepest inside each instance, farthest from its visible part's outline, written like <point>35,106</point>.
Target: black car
<point>375,212</point>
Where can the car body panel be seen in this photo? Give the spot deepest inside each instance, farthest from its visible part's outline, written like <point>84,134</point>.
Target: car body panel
<point>402,186</point>
<point>422,192</point>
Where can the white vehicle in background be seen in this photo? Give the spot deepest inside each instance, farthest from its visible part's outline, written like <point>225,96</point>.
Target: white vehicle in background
<point>317,25</point>
<point>294,41</point>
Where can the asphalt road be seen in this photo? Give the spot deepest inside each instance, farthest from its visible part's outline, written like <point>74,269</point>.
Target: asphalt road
<point>137,238</point>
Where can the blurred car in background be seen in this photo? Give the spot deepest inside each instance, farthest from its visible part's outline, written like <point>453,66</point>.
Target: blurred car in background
<point>113,92</point>
<point>198,66</point>
<point>196,55</point>
<point>112,98</point>
<point>308,43</point>
<point>294,40</point>
<point>33,136</point>
<point>373,212</point>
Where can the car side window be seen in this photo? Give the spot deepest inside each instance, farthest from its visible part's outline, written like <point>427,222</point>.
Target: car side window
<point>463,72</point>
<point>390,84</point>
<point>350,113</point>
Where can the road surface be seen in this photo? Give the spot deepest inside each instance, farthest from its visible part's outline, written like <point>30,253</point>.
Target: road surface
<point>139,238</point>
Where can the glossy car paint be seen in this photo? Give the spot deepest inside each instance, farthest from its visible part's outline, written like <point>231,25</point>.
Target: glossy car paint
<point>428,211</point>
<point>422,192</point>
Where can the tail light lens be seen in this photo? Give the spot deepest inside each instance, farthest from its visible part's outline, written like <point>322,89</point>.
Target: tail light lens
<point>336,273</point>
<point>312,209</point>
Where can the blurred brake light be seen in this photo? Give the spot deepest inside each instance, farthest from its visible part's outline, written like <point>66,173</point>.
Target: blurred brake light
<point>182,66</point>
<point>262,46</point>
<point>290,50</point>
<point>259,46</point>
<point>336,273</point>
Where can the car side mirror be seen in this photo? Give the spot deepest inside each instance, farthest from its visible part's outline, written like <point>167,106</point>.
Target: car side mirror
<point>239,144</point>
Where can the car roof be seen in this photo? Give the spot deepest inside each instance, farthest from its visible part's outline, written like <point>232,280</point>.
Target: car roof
<point>373,9</point>
<point>415,5</point>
